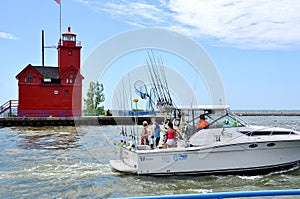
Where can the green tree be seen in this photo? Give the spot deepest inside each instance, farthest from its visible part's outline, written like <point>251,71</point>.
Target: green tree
<point>95,96</point>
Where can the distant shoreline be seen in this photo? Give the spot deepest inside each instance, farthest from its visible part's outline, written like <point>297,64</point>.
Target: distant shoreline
<point>267,112</point>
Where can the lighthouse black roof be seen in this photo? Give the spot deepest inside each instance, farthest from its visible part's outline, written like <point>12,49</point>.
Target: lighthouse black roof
<point>48,71</point>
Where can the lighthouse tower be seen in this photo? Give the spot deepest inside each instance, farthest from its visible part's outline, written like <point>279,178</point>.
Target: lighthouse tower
<point>53,91</point>
<point>68,52</point>
<point>69,68</point>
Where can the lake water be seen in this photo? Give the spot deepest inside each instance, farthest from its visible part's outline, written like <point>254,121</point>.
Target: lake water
<point>70,162</point>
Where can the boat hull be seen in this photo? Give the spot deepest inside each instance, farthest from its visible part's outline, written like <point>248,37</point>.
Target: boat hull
<point>245,158</point>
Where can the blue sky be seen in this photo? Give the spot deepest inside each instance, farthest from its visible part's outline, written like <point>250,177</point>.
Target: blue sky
<point>255,45</point>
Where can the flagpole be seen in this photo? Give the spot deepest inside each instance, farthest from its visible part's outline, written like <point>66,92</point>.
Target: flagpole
<point>60,19</point>
<point>59,2</point>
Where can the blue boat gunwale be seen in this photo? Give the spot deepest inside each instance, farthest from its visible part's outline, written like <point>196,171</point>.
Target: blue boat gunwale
<point>221,195</point>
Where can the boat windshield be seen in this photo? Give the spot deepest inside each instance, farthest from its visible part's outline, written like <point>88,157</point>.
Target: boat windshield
<point>224,119</point>
<point>216,119</point>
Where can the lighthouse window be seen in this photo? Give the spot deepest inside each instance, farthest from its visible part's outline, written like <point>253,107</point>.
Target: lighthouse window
<point>29,77</point>
<point>55,92</point>
<point>70,52</point>
<point>25,79</point>
<point>68,38</point>
<point>66,92</point>
<point>71,79</point>
<point>67,80</point>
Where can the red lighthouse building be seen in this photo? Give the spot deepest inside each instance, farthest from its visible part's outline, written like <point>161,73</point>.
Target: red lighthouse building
<point>53,91</point>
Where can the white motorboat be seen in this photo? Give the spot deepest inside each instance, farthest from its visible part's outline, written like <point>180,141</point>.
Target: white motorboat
<point>227,146</point>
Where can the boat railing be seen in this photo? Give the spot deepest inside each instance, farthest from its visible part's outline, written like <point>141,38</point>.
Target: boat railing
<point>221,195</point>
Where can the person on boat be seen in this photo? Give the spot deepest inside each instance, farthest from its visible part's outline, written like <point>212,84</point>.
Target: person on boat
<point>144,134</point>
<point>202,123</point>
<point>155,133</point>
<point>169,140</point>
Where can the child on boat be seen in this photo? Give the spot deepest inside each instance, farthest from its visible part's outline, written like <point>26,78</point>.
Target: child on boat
<point>145,134</point>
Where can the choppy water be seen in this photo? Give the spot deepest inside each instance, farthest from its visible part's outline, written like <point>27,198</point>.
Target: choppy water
<point>69,162</point>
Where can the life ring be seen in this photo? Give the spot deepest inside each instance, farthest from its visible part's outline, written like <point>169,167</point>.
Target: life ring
<point>176,122</point>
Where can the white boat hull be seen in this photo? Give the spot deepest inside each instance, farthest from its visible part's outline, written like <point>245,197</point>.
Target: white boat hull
<point>236,158</point>
<point>227,145</point>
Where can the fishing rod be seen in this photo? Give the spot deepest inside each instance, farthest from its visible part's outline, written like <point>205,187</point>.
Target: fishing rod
<point>154,80</point>
<point>159,82</point>
<point>163,72</point>
<point>155,69</point>
<point>151,75</point>
<point>159,94</point>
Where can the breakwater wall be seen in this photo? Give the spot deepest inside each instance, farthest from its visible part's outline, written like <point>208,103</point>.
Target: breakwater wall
<point>80,121</point>
<point>108,120</point>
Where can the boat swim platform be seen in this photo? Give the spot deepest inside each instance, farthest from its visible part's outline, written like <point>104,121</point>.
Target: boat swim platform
<point>76,121</point>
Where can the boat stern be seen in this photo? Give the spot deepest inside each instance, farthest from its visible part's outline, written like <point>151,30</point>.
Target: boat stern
<point>127,162</point>
<point>121,166</point>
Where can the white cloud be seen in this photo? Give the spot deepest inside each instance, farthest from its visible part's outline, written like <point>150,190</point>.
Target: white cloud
<point>259,24</point>
<point>6,35</point>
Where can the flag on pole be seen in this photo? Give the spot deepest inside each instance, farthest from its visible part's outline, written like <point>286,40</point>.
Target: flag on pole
<point>57,1</point>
